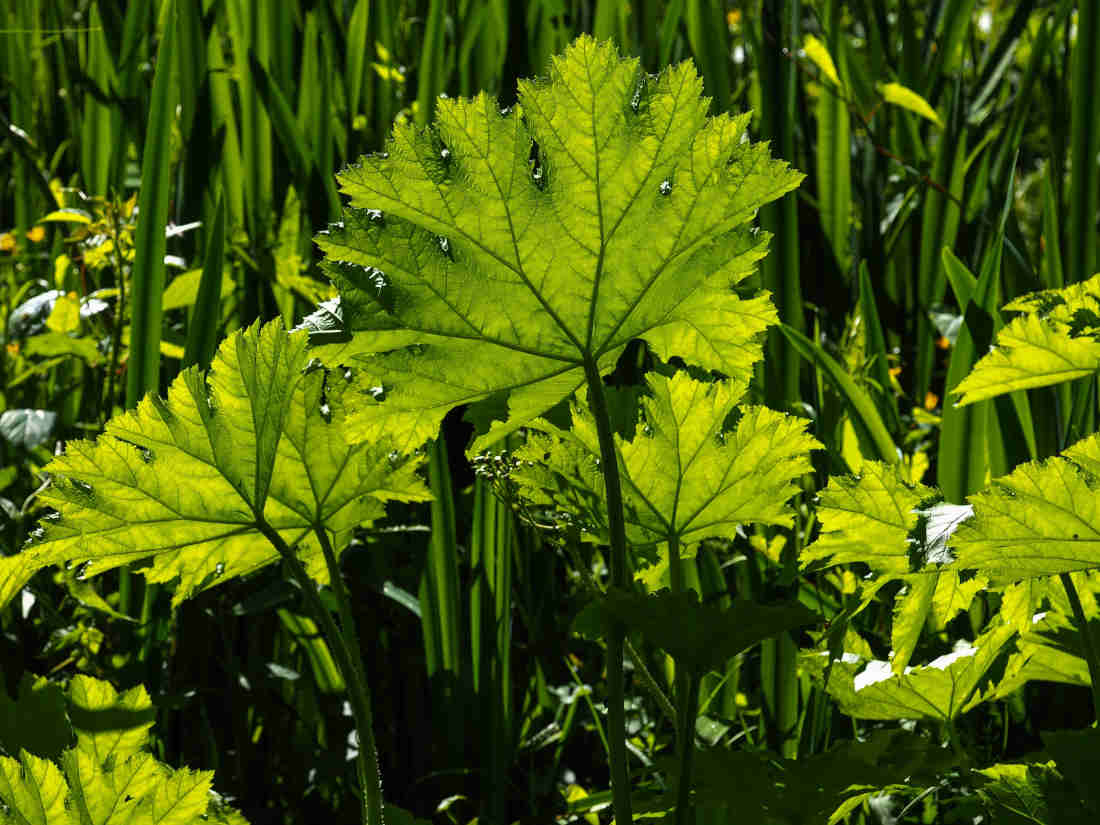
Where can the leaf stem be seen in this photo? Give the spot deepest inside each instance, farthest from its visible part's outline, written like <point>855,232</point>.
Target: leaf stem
<point>346,649</point>
<point>687,700</point>
<point>640,669</point>
<point>616,713</point>
<point>1087,645</point>
<point>687,703</point>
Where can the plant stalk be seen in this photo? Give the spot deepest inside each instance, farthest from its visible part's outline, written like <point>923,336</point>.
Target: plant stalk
<point>1087,646</point>
<point>346,649</point>
<point>687,700</point>
<point>687,703</point>
<point>616,712</point>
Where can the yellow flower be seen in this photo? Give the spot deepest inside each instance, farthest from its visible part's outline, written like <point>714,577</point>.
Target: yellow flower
<point>733,17</point>
<point>7,242</point>
<point>943,343</point>
<point>931,400</point>
<point>895,371</point>
<point>35,234</point>
<point>12,348</point>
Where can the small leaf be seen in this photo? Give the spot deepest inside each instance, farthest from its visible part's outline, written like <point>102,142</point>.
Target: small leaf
<point>67,215</point>
<point>868,519</point>
<point>184,289</point>
<point>906,98</point>
<point>65,315</point>
<point>684,478</point>
<point>819,54</point>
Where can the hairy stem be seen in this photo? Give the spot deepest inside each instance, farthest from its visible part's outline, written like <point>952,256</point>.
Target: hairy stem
<point>345,647</point>
<point>1087,646</point>
<point>616,712</point>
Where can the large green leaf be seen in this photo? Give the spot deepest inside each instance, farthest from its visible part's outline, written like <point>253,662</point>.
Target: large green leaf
<point>192,481</point>
<point>34,720</point>
<point>1042,518</point>
<point>107,778</point>
<point>878,519</point>
<point>1034,793</point>
<point>1056,340</point>
<point>684,477</point>
<point>869,518</point>
<point>941,690</point>
<point>494,256</point>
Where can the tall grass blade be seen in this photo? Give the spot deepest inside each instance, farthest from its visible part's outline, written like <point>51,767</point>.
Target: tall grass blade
<point>100,134</point>
<point>963,459</point>
<point>780,270</point>
<point>834,157</point>
<point>876,348</point>
<point>441,611</point>
<point>431,71</point>
<point>869,425</point>
<point>202,332</point>
<point>939,228</point>
<point>1084,188</point>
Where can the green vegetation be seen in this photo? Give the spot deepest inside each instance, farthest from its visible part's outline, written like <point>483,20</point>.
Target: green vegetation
<point>592,461</point>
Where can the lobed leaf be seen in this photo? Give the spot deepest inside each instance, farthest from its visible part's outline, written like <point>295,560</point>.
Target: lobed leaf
<point>1057,340</point>
<point>941,690</point>
<point>1041,519</point>
<point>106,778</point>
<point>684,477</point>
<point>496,255</point>
<point>192,480</point>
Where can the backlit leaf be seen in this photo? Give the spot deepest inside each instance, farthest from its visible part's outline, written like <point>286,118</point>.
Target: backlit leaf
<point>906,98</point>
<point>1042,518</point>
<point>1055,340</point>
<point>190,481</point>
<point>491,257</point>
<point>942,689</point>
<point>684,478</point>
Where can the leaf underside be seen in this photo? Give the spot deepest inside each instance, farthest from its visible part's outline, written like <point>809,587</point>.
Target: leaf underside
<point>684,478</point>
<point>497,254</point>
<point>1057,339</point>
<point>188,481</point>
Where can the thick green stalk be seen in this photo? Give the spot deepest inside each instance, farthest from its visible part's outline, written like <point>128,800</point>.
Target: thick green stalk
<point>616,712</point>
<point>1087,645</point>
<point>345,647</point>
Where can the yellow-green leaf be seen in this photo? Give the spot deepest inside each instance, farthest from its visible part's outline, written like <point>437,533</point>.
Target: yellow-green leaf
<point>817,52</point>
<point>906,98</point>
<point>503,278</point>
<point>191,481</point>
